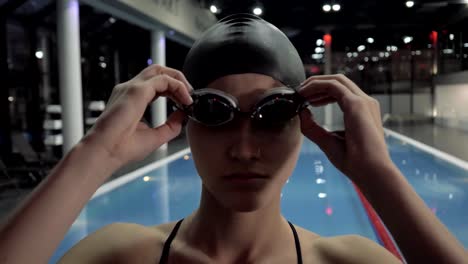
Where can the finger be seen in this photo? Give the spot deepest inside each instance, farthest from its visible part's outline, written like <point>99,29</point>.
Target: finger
<point>340,133</point>
<point>312,130</point>
<point>343,80</point>
<point>142,125</point>
<point>332,88</point>
<point>162,134</point>
<point>354,88</point>
<point>375,109</point>
<point>156,69</point>
<point>168,86</point>
<point>314,98</point>
<point>330,143</point>
<point>323,102</point>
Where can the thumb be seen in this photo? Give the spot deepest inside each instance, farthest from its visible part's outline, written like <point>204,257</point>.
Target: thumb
<point>155,137</point>
<point>320,136</point>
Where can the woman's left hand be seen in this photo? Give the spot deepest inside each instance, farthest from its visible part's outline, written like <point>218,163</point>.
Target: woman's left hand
<point>361,147</point>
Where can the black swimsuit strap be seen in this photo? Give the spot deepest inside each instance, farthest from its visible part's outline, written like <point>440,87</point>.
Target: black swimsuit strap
<point>167,244</point>
<point>298,245</point>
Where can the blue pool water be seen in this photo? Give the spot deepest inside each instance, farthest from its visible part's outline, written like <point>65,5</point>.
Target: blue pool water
<point>317,196</point>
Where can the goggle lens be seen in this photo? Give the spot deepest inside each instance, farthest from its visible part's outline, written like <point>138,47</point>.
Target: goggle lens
<point>212,110</point>
<point>277,111</point>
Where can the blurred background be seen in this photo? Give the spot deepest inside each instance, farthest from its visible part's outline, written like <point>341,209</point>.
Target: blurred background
<point>59,61</point>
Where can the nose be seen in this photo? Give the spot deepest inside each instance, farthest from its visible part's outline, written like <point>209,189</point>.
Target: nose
<point>244,144</point>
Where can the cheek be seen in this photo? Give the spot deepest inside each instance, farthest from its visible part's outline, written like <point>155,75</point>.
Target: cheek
<point>282,150</point>
<point>285,141</point>
<point>206,147</point>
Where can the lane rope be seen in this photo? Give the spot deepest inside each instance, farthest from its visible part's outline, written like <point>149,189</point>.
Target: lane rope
<point>379,227</point>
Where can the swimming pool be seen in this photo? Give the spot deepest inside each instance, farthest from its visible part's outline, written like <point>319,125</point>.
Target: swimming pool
<point>317,196</point>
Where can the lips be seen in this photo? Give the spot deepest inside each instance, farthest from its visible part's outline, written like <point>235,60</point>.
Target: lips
<point>244,176</point>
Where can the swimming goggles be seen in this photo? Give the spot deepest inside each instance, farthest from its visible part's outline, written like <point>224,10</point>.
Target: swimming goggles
<point>213,107</point>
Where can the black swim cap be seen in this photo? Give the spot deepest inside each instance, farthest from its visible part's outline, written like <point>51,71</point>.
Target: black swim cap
<point>243,43</point>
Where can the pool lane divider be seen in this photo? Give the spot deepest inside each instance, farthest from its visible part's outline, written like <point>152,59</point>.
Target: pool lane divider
<point>379,227</point>
<point>113,184</point>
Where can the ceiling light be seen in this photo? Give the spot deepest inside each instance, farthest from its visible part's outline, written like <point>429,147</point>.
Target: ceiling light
<point>317,56</point>
<point>336,7</point>
<point>407,39</point>
<point>39,54</point>
<point>370,40</point>
<point>361,48</point>
<point>447,51</point>
<point>409,4</point>
<point>326,8</point>
<point>213,9</point>
<point>257,11</point>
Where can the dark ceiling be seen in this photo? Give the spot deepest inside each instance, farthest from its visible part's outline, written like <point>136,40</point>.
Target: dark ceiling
<point>387,21</point>
<point>303,21</point>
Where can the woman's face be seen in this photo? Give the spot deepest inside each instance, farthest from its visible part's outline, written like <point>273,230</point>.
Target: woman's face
<point>243,166</point>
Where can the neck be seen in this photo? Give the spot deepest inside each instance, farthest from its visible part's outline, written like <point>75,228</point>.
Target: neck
<point>225,234</point>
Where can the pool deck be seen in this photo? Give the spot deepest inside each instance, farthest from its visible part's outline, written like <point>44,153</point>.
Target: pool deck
<point>450,140</point>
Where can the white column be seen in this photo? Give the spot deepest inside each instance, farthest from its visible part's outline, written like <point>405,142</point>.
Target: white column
<point>68,42</point>
<point>158,55</point>
<point>328,61</point>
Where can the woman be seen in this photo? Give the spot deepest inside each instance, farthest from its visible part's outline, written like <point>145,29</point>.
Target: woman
<point>245,136</point>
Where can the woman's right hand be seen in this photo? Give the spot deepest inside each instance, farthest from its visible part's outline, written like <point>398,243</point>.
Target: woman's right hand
<point>119,131</point>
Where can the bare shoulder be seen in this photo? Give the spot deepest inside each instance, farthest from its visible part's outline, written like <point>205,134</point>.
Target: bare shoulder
<point>120,243</point>
<point>348,249</point>
<point>351,249</point>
